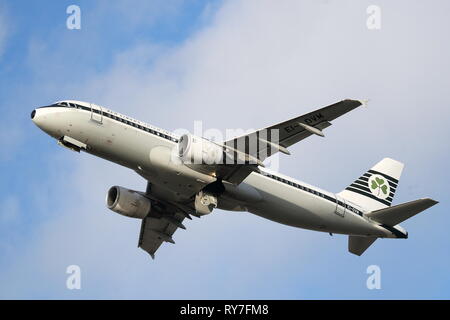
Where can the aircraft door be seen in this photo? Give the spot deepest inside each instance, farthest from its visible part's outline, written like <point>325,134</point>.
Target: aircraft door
<point>96,114</point>
<point>340,206</point>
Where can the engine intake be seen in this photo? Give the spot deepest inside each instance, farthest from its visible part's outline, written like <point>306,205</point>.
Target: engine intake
<point>196,150</point>
<point>128,202</point>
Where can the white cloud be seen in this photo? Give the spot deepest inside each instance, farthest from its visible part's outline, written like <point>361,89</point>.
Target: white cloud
<point>255,64</point>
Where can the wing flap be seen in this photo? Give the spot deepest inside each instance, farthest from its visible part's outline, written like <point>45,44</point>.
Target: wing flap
<point>237,173</point>
<point>155,231</point>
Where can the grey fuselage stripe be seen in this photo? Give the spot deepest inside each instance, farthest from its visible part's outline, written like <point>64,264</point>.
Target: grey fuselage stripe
<point>119,119</point>
<point>312,191</point>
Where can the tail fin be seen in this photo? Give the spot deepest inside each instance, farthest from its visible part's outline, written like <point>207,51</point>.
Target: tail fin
<point>375,189</point>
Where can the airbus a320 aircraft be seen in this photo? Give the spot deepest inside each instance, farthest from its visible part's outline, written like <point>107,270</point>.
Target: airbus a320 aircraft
<point>203,175</point>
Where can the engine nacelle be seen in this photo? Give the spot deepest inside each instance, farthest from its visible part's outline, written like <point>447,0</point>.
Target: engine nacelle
<point>128,202</point>
<point>196,150</point>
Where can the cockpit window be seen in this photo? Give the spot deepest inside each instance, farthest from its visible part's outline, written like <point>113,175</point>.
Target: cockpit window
<point>63,104</point>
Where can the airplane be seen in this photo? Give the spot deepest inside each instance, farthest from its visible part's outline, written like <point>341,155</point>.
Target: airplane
<point>189,175</point>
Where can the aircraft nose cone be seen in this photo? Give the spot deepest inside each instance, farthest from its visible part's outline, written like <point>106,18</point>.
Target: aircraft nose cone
<point>38,118</point>
<point>35,116</point>
<point>46,119</point>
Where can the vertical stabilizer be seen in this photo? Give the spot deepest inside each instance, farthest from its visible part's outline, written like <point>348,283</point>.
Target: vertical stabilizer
<point>375,189</point>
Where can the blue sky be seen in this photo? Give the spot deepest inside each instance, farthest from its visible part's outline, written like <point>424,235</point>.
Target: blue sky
<point>232,64</point>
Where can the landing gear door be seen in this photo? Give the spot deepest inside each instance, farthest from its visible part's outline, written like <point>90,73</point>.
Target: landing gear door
<point>96,113</point>
<point>340,206</point>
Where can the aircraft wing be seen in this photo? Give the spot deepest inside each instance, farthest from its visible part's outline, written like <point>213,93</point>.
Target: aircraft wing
<point>161,225</point>
<point>155,231</point>
<point>263,143</point>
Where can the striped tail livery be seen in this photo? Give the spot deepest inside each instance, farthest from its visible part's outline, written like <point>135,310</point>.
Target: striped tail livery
<point>374,191</point>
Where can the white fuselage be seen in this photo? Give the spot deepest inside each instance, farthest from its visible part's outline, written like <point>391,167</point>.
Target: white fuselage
<point>149,151</point>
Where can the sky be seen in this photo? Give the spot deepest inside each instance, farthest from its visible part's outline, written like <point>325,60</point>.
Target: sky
<point>230,64</point>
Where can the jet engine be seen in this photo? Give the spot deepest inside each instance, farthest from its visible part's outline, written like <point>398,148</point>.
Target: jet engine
<point>128,202</point>
<point>196,150</point>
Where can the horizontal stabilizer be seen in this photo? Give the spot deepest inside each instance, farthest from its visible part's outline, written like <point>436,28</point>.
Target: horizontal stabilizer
<point>394,215</point>
<point>357,245</point>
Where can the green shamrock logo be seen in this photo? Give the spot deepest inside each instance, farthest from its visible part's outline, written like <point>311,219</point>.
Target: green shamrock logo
<point>379,185</point>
